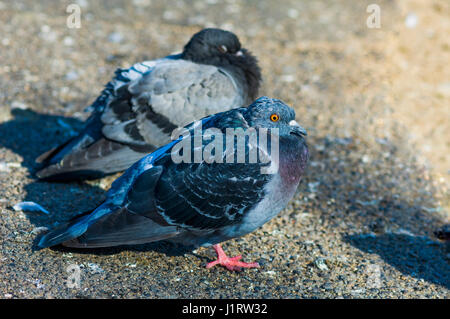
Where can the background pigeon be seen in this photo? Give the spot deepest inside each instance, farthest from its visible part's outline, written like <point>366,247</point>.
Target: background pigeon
<point>142,105</point>
<point>203,203</point>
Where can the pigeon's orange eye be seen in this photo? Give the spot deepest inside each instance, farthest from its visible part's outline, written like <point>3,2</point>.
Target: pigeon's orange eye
<point>274,117</point>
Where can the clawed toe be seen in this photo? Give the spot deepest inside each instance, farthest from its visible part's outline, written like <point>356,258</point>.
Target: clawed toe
<point>231,263</point>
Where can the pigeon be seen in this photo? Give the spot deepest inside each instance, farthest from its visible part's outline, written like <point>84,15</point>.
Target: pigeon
<point>203,201</point>
<point>139,109</point>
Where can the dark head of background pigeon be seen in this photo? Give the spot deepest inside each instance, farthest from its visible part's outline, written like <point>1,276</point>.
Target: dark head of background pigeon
<point>198,203</point>
<point>222,48</point>
<point>141,106</point>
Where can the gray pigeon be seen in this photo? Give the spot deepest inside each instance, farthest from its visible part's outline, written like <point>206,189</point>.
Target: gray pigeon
<point>200,201</point>
<point>138,110</point>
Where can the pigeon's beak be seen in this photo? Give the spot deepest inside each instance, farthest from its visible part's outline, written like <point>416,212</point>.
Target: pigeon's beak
<point>239,53</point>
<point>296,129</point>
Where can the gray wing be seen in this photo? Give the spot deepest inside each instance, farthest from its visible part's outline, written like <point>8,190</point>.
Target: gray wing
<point>172,94</point>
<point>90,154</point>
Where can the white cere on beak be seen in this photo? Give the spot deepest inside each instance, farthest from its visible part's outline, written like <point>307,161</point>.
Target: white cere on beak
<point>239,53</point>
<point>293,123</point>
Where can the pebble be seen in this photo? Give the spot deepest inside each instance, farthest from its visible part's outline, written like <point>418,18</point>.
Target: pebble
<point>288,78</point>
<point>72,76</point>
<point>321,264</point>
<point>68,41</point>
<point>48,34</point>
<point>411,20</point>
<point>4,167</point>
<point>313,186</point>
<point>96,269</point>
<point>83,3</point>
<point>292,13</point>
<point>270,273</point>
<point>115,37</point>
<point>142,3</point>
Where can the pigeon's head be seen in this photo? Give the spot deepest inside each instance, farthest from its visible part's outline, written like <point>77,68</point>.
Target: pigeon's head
<point>223,49</point>
<point>212,42</point>
<point>273,113</point>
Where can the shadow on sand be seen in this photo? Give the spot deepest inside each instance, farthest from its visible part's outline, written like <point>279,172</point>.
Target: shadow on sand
<point>414,256</point>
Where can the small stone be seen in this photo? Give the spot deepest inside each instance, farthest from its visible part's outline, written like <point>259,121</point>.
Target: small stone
<point>72,76</point>
<point>115,37</point>
<point>4,167</point>
<point>288,78</point>
<point>48,34</point>
<point>321,264</point>
<point>313,186</point>
<point>45,29</point>
<point>68,41</point>
<point>292,13</point>
<point>142,3</point>
<point>365,159</point>
<point>83,3</point>
<point>411,20</point>
<point>96,269</point>
<point>358,291</point>
<point>270,273</point>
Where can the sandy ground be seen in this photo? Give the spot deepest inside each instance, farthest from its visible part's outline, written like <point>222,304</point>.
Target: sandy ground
<point>375,102</point>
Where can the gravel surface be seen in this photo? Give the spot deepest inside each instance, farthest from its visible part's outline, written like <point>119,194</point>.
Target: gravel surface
<point>375,103</point>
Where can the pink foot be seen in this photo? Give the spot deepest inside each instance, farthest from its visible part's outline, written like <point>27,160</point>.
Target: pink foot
<point>231,263</point>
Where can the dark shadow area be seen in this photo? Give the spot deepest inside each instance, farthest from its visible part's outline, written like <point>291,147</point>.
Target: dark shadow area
<point>29,134</point>
<point>418,257</point>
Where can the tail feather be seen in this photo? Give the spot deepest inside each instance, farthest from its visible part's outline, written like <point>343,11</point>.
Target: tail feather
<point>64,232</point>
<point>100,158</point>
<point>107,227</point>
<point>88,156</point>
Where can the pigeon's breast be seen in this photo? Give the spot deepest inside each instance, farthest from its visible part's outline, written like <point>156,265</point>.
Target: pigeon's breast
<point>278,191</point>
<point>293,158</point>
<point>275,199</point>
